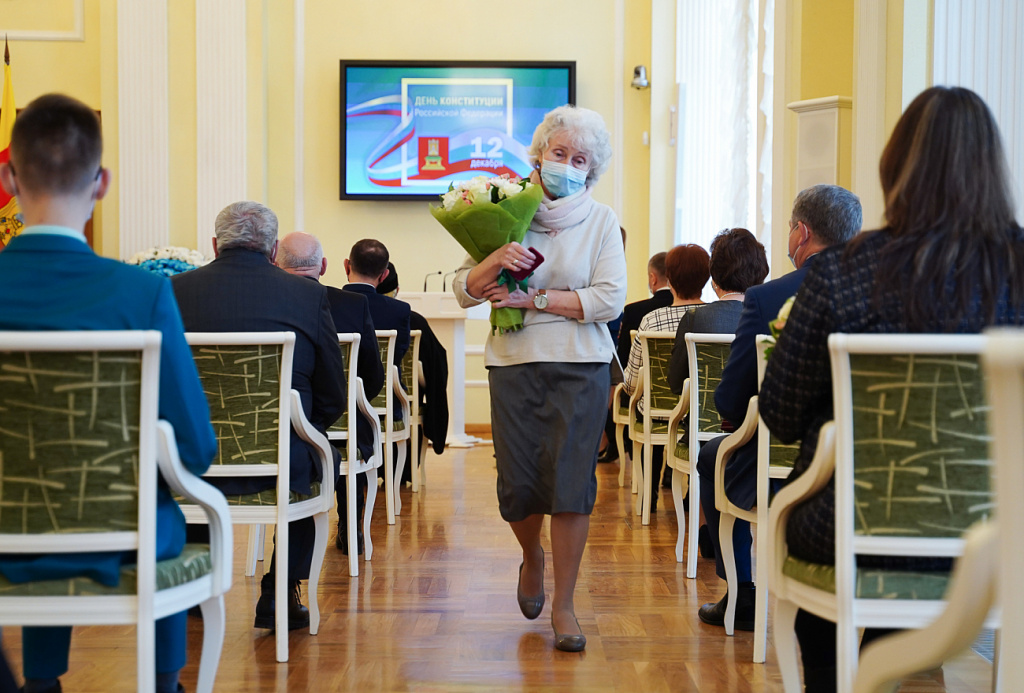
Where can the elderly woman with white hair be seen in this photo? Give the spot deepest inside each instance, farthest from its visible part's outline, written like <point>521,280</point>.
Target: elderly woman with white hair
<point>549,381</point>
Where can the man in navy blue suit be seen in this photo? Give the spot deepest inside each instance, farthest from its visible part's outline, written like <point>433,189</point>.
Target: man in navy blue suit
<point>301,254</point>
<point>823,215</point>
<point>50,279</point>
<point>242,291</point>
<point>366,267</point>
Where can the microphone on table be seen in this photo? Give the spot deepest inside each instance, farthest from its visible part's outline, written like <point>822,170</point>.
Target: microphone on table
<point>429,275</point>
<point>444,280</point>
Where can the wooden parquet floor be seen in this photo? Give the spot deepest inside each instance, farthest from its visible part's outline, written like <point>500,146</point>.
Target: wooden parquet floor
<point>435,610</point>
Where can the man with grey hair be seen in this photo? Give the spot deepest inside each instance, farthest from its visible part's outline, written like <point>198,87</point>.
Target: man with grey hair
<point>242,291</point>
<point>823,215</point>
<point>301,254</point>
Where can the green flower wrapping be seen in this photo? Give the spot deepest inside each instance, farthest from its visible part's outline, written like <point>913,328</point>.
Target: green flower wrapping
<point>482,223</point>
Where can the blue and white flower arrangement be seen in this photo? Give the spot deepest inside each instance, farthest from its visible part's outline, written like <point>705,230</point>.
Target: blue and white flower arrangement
<point>168,261</point>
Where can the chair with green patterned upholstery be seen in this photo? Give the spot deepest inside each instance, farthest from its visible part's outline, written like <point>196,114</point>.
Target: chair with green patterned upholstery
<point>80,445</point>
<point>650,427</point>
<point>344,430</point>
<point>909,452</point>
<point>247,379</point>
<point>394,430</point>
<point>412,381</point>
<point>706,356</point>
<point>774,461</point>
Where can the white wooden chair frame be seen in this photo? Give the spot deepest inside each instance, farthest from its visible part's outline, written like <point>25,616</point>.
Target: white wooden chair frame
<point>1004,366</point>
<point>358,405</point>
<point>621,422</point>
<point>394,392</point>
<point>157,449</point>
<point>689,401</point>
<point>318,507</point>
<point>969,599</point>
<point>757,516</point>
<point>648,439</point>
<point>834,453</point>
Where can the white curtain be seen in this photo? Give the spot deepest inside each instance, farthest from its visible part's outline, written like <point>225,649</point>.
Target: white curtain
<point>978,45</point>
<point>718,69</point>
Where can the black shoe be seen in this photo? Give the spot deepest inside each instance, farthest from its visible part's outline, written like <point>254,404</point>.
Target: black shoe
<point>609,454</point>
<point>341,541</point>
<point>704,545</point>
<point>713,613</point>
<point>52,689</point>
<point>298,615</point>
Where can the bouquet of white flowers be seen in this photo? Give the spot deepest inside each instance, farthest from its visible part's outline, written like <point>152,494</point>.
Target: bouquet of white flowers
<point>168,261</point>
<point>483,214</point>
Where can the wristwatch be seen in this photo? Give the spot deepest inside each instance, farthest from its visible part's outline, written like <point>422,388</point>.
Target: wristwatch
<point>540,299</point>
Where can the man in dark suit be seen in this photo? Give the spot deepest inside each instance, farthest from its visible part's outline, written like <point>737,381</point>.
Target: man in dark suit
<point>301,254</point>
<point>242,291</point>
<point>633,313</point>
<point>366,267</point>
<point>51,280</point>
<point>434,364</point>
<point>823,215</point>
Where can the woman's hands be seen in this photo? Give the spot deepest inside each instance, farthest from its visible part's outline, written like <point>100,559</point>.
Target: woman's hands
<point>501,297</point>
<point>511,256</point>
<point>514,257</point>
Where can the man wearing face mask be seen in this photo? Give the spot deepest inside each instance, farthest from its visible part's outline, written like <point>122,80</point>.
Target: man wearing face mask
<point>823,215</point>
<point>549,381</point>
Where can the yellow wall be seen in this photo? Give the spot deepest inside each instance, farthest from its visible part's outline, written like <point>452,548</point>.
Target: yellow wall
<point>826,48</point>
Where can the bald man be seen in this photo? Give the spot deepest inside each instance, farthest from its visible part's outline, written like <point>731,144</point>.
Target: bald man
<point>301,254</point>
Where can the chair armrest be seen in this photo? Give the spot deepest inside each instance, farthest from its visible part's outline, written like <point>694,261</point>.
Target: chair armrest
<point>403,398</point>
<point>737,439</point>
<point>806,485</point>
<point>678,414</point>
<point>634,399</point>
<point>319,442</point>
<point>206,496</point>
<point>366,409</point>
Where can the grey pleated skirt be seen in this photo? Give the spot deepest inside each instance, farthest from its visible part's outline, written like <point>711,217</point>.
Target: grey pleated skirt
<point>546,421</point>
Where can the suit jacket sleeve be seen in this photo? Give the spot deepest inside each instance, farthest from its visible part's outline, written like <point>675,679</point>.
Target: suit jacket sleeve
<point>629,323</point>
<point>182,402</point>
<point>739,379</point>
<point>797,385</point>
<point>402,340</point>
<point>328,371</point>
<point>371,370</point>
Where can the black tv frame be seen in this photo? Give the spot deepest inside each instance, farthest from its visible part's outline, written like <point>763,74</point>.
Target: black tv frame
<point>570,65</point>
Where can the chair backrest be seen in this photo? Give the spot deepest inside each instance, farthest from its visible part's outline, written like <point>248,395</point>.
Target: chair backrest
<point>655,354</point>
<point>1004,367</point>
<point>386,345</point>
<point>247,378</point>
<point>411,368</point>
<point>779,454</point>
<point>707,354</point>
<point>78,442</point>
<point>348,342</point>
<point>912,466</point>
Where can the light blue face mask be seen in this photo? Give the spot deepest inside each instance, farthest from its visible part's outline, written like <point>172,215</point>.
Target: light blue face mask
<point>562,180</point>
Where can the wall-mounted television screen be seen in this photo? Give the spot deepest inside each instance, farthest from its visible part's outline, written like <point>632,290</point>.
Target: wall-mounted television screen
<point>410,128</point>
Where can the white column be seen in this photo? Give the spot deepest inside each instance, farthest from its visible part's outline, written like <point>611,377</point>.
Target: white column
<point>978,45</point>
<point>143,151</point>
<point>220,112</point>
<point>869,133</point>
